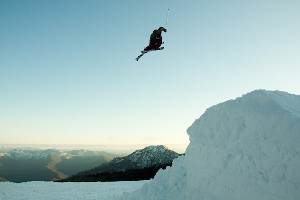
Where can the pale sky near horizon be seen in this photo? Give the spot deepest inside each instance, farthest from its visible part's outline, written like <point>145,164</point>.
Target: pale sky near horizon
<point>68,73</point>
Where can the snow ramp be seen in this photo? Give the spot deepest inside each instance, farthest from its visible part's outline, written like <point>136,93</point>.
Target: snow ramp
<point>247,148</point>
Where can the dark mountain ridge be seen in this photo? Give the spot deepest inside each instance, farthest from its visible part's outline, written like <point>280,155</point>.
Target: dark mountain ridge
<point>21,165</point>
<point>139,165</point>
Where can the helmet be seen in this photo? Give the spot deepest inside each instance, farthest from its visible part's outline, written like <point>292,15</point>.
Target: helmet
<point>162,28</point>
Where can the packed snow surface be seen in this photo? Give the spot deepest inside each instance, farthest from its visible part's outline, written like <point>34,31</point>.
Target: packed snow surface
<point>61,191</point>
<point>247,148</point>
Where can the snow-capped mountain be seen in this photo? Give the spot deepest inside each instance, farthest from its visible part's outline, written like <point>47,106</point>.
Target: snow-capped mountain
<point>44,154</point>
<point>33,154</point>
<point>150,159</point>
<point>150,156</point>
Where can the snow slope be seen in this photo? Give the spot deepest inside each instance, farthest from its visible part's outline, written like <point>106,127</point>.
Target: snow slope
<point>247,148</point>
<point>61,191</point>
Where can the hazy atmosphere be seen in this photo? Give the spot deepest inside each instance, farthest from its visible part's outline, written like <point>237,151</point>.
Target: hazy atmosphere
<point>68,73</point>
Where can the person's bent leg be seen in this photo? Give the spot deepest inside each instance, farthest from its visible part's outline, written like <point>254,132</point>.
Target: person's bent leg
<point>158,44</point>
<point>149,47</point>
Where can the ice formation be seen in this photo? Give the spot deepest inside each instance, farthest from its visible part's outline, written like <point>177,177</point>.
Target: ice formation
<point>247,148</point>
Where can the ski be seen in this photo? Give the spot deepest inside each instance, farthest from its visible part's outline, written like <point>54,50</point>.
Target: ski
<point>144,52</point>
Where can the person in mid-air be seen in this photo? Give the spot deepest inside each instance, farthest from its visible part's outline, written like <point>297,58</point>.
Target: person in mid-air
<point>155,42</point>
<point>155,39</point>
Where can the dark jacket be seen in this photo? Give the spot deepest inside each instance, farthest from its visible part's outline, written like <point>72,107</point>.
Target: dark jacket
<point>156,35</point>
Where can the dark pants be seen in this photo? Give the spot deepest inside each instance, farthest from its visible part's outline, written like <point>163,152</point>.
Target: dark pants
<point>154,45</point>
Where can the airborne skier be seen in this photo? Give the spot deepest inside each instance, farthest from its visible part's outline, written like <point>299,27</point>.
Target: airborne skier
<point>155,42</point>
<point>155,39</point>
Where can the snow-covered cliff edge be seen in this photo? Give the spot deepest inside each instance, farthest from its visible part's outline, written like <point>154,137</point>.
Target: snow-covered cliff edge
<point>247,148</point>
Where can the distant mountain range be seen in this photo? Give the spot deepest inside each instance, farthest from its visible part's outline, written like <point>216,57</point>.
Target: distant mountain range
<point>140,165</point>
<point>21,165</point>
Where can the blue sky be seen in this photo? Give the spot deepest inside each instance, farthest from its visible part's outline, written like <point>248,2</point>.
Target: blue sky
<point>68,74</point>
